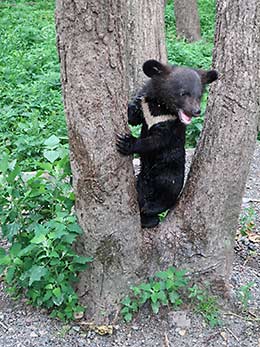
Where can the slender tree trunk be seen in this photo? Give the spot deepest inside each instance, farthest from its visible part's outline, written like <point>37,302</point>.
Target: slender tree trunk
<point>187,19</point>
<point>95,46</point>
<point>145,39</point>
<point>102,46</point>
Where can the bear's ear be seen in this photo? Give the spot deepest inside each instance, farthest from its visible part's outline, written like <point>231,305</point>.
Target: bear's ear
<point>208,77</point>
<point>154,68</point>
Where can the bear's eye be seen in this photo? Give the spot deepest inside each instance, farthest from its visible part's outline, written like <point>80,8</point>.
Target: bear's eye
<point>184,93</point>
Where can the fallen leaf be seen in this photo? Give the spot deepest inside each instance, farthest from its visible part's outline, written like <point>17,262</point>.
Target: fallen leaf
<point>182,332</point>
<point>223,335</point>
<point>254,238</point>
<point>78,315</point>
<point>99,329</point>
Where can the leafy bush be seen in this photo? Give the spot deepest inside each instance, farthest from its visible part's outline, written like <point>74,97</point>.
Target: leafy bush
<point>36,218</point>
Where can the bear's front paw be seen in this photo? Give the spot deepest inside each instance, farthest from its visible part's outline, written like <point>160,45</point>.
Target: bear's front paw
<point>125,144</point>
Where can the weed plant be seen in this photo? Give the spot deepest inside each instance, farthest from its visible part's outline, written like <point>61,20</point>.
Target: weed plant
<point>170,288</point>
<point>36,198</point>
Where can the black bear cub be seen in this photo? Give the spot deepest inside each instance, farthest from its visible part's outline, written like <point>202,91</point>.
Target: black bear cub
<point>164,106</point>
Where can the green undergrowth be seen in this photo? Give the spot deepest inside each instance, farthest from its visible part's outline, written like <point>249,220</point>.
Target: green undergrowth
<point>171,288</point>
<point>36,198</point>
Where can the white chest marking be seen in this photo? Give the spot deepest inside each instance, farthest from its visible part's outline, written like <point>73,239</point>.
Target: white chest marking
<point>152,120</point>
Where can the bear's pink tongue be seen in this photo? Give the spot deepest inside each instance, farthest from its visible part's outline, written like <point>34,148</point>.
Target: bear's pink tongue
<point>184,118</point>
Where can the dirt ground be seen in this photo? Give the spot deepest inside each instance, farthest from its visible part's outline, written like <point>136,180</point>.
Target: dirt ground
<point>22,325</point>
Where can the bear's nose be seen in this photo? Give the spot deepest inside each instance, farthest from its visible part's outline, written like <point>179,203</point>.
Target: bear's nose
<point>196,111</point>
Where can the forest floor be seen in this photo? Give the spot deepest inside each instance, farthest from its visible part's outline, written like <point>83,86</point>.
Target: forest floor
<point>22,325</point>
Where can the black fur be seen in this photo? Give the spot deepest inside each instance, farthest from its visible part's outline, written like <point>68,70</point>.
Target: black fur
<point>172,91</point>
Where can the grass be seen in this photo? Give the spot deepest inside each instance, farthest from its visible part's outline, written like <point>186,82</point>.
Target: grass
<point>30,91</point>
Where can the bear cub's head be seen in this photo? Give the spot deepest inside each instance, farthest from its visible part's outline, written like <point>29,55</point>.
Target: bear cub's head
<point>176,90</point>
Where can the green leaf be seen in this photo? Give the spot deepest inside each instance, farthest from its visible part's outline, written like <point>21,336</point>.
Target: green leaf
<point>82,260</point>
<point>10,274</point>
<point>157,286</point>
<point>15,249</point>
<point>125,310</point>
<point>128,317</point>
<point>57,292</point>
<point>57,234</point>
<point>145,287</point>
<point>2,252</point>
<point>4,163</point>
<point>51,155</point>
<point>26,251</point>
<point>36,273</point>
<point>155,307</point>
<point>75,228</point>
<point>37,239</point>
<point>173,296</point>
<point>58,301</point>
<point>145,296</point>
<point>162,275</point>
<point>154,297</point>
<point>162,296</point>
<point>52,141</point>
<point>136,290</point>
<point>126,301</point>
<point>58,296</point>
<point>12,230</point>
<point>134,306</point>
<point>169,284</point>
<point>5,260</point>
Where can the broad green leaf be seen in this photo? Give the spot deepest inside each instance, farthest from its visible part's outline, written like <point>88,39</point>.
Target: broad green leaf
<point>15,249</point>
<point>52,141</point>
<point>37,239</point>
<point>36,273</point>
<point>57,292</point>
<point>5,260</point>
<point>51,155</point>
<point>26,251</point>
<point>57,234</point>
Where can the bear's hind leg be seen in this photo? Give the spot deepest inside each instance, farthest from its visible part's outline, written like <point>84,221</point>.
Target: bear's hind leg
<point>149,221</point>
<point>167,190</point>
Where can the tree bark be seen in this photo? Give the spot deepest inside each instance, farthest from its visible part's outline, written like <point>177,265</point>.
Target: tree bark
<point>199,234</point>
<point>102,46</point>
<point>96,43</point>
<point>187,19</point>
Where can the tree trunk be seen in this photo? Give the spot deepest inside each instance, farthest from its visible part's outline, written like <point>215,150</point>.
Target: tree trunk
<point>102,46</point>
<point>95,43</point>
<point>145,39</point>
<point>187,19</point>
<point>199,234</point>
